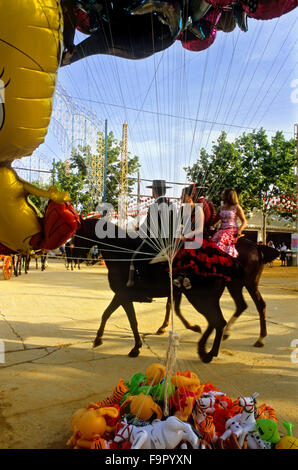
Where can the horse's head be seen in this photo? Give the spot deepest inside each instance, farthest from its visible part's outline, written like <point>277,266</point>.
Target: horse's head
<point>248,403</point>
<point>205,404</point>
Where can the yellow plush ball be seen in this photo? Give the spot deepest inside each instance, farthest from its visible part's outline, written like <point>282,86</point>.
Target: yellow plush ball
<point>287,442</point>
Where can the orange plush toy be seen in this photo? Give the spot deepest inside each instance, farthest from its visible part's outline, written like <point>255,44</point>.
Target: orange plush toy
<point>91,429</point>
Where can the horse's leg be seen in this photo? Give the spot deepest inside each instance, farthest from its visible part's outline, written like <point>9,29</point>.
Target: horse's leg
<point>195,328</point>
<point>15,263</point>
<point>255,294</point>
<point>208,305</point>
<point>27,264</point>
<point>115,303</point>
<point>177,303</point>
<point>20,261</point>
<point>131,315</point>
<point>162,328</point>
<point>235,288</point>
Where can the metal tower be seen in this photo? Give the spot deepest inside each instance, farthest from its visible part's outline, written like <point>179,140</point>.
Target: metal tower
<point>96,172</point>
<point>123,196</point>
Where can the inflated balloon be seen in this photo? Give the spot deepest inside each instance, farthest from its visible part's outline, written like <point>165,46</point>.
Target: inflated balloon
<point>31,42</point>
<point>30,51</point>
<point>124,28</point>
<point>22,226</point>
<point>268,9</point>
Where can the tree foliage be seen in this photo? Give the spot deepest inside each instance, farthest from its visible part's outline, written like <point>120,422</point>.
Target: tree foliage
<point>254,166</point>
<point>76,181</point>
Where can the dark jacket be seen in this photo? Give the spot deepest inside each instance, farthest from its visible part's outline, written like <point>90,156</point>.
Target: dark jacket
<point>160,219</point>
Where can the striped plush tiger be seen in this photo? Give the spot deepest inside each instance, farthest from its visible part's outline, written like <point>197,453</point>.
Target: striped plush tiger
<point>115,398</point>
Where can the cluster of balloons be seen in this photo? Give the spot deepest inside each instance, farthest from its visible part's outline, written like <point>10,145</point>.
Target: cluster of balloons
<point>136,29</point>
<point>37,37</point>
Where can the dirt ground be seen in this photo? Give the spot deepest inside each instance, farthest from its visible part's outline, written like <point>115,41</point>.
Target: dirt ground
<point>49,319</point>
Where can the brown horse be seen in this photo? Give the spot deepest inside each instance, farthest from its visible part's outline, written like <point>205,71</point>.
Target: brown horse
<point>151,281</point>
<point>253,258</point>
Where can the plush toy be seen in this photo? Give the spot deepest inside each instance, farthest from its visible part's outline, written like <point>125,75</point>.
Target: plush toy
<point>203,419</point>
<point>143,407</point>
<point>90,425</point>
<point>137,384</point>
<point>182,401</point>
<point>119,391</point>
<point>140,383</point>
<point>268,430</point>
<point>166,434</point>
<point>265,411</point>
<point>244,422</point>
<point>289,441</point>
<point>189,381</point>
<point>155,373</point>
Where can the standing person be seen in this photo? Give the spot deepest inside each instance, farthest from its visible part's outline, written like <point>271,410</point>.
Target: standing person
<point>158,227</point>
<point>208,209</point>
<point>283,251</point>
<point>94,253</point>
<point>271,245</point>
<point>229,231</point>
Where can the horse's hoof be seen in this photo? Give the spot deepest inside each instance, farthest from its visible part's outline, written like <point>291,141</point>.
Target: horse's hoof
<point>225,337</point>
<point>97,342</point>
<point>160,331</point>
<point>196,329</point>
<point>134,352</point>
<point>259,344</point>
<point>206,358</point>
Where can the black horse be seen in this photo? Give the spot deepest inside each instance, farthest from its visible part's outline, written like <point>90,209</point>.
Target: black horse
<point>70,257</point>
<point>253,258</point>
<point>151,281</point>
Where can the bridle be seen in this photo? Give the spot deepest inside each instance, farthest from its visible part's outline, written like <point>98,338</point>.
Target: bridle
<point>248,406</point>
<point>121,431</point>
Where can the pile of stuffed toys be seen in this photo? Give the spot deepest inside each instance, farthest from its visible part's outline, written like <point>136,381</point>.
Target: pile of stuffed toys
<point>156,411</point>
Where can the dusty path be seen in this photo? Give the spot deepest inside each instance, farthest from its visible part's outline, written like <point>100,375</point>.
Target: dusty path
<point>48,322</point>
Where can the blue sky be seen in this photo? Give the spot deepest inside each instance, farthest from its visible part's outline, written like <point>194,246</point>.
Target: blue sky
<point>178,101</point>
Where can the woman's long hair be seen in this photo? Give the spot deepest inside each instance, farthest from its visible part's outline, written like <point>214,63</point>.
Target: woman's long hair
<point>230,197</point>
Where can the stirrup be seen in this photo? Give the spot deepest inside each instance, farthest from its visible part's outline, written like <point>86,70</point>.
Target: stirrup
<point>186,283</point>
<point>177,283</point>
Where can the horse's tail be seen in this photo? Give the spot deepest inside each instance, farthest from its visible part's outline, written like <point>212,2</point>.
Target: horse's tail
<point>267,253</point>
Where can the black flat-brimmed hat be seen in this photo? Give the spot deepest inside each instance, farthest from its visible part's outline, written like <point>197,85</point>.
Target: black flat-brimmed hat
<point>159,185</point>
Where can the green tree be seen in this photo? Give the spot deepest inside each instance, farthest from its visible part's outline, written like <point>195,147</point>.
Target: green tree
<point>77,183</point>
<point>38,202</point>
<point>255,167</point>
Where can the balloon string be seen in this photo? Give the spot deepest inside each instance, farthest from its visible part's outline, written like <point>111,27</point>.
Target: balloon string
<point>171,356</point>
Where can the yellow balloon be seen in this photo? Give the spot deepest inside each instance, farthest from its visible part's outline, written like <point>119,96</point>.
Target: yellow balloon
<point>31,39</point>
<point>18,220</point>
